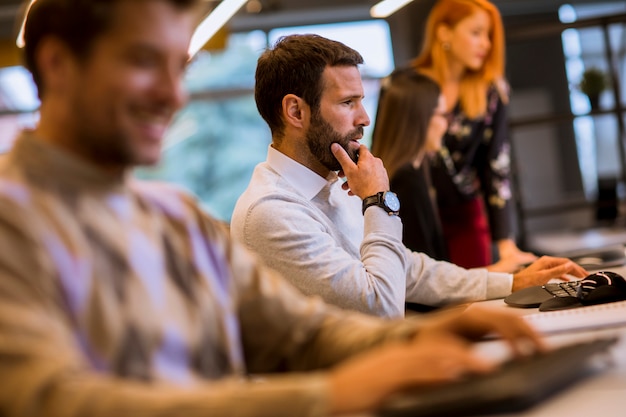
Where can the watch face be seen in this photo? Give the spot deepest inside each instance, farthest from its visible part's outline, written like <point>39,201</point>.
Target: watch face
<point>391,201</point>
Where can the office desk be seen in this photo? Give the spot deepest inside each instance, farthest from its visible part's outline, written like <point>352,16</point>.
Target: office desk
<point>603,394</point>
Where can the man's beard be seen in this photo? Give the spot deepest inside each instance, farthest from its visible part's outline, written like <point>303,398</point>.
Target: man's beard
<point>105,147</point>
<point>321,135</point>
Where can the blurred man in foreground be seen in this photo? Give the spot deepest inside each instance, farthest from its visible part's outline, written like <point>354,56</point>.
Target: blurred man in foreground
<point>123,298</point>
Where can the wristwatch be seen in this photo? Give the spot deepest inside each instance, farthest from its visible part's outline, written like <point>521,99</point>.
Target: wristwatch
<point>385,199</point>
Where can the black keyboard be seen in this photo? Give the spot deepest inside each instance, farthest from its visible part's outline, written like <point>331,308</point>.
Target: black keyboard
<point>516,386</point>
<point>548,297</point>
<point>562,289</point>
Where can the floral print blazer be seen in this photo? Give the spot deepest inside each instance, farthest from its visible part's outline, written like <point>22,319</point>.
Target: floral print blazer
<point>475,160</point>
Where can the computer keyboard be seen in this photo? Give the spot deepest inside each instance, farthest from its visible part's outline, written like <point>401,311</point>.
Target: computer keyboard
<point>562,289</point>
<point>516,386</point>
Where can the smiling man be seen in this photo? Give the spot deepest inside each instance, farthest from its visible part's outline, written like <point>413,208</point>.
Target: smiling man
<point>343,241</point>
<point>110,106</point>
<point>120,297</point>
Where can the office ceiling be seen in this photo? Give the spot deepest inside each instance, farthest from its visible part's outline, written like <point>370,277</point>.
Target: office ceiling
<point>275,13</point>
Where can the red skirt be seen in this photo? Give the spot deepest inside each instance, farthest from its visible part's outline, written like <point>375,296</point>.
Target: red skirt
<point>467,235</point>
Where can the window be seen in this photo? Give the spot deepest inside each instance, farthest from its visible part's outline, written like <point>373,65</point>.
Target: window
<point>597,134</point>
<point>18,103</point>
<point>218,138</point>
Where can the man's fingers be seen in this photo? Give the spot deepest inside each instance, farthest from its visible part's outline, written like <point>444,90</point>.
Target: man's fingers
<point>578,271</point>
<point>557,271</point>
<point>476,321</point>
<point>341,155</point>
<point>568,268</point>
<point>522,338</point>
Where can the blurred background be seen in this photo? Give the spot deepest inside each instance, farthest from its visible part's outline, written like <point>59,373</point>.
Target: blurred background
<point>568,147</point>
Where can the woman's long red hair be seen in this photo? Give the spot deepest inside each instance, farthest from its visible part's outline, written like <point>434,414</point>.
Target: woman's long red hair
<point>474,85</point>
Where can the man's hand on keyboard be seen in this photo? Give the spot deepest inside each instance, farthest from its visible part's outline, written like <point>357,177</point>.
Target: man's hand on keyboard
<point>440,352</point>
<point>476,321</point>
<point>544,269</point>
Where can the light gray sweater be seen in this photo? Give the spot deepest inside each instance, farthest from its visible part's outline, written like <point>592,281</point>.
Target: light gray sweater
<point>313,232</point>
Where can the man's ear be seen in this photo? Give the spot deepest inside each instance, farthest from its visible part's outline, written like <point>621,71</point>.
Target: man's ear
<point>295,110</point>
<point>56,64</point>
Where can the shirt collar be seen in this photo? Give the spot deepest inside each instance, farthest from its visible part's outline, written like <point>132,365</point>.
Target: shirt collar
<point>304,180</point>
<point>49,162</point>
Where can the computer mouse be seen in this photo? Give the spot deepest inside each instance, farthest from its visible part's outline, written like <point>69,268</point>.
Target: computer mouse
<point>601,287</point>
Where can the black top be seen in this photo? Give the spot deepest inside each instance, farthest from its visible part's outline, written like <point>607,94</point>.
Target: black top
<point>421,227</point>
<point>475,161</point>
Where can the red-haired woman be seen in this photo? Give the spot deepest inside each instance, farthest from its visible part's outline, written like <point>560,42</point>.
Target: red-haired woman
<point>463,52</point>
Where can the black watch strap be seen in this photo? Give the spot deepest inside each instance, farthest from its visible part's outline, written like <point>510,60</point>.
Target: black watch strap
<point>373,200</point>
<point>378,199</point>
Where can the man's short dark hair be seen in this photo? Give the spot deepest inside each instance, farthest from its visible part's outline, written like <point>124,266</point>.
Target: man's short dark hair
<point>294,66</point>
<point>75,22</point>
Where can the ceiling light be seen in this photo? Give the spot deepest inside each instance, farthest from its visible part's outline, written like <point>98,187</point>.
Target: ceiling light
<point>213,22</point>
<point>387,7</point>
<point>205,30</point>
<point>20,36</point>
